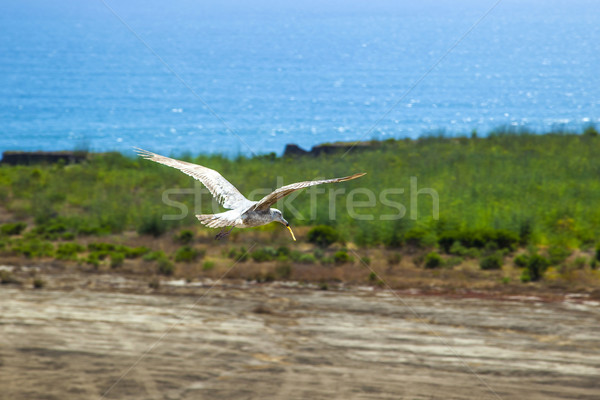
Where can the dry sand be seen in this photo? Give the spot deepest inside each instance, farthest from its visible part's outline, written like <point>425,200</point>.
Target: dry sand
<point>249,341</point>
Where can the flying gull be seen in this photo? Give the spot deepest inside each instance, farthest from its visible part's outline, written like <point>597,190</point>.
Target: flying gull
<point>243,213</point>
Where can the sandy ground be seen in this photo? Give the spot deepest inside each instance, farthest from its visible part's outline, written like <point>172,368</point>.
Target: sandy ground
<point>283,342</point>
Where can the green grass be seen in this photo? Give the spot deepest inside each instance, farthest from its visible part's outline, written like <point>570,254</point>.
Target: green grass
<point>538,189</point>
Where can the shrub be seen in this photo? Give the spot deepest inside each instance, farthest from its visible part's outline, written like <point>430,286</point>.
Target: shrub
<point>453,262</point>
<point>13,228</point>
<point>458,249</point>
<point>479,238</point>
<point>264,254</point>
<point>372,277</point>
<point>116,259</point>
<point>165,267</point>
<point>134,252</point>
<point>365,260</point>
<point>68,251</point>
<point>38,283</point>
<point>521,260</point>
<point>187,254</point>
<point>101,247</point>
<point>323,236</point>
<point>208,265</point>
<point>34,248</point>
<point>184,237</point>
<point>598,252</point>
<point>433,260</point>
<point>283,251</point>
<point>307,259</point>
<point>493,261</point>
<point>154,255</point>
<point>341,257</point>
<point>416,237</point>
<point>536,266</point>
<point>152,224</point>
<point>93,259</point>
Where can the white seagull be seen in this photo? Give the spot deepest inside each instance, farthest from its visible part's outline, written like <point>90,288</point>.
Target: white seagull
<point>243,213</point>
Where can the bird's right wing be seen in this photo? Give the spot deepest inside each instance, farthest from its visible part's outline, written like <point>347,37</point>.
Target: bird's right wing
<point>266,202</point>
<point>225,193</point>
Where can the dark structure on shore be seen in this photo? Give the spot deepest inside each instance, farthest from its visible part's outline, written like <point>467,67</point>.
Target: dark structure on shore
<point>41,157</point>
<point>329,148</point>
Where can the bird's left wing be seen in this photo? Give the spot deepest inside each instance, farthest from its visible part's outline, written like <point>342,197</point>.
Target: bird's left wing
<point>266,202</point>
<point>219,187</point>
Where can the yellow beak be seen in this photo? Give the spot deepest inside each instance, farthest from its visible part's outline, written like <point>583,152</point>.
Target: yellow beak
<point>290,229</point>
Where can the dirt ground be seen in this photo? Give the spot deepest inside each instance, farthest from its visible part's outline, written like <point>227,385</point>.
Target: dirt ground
<point>108,337</point>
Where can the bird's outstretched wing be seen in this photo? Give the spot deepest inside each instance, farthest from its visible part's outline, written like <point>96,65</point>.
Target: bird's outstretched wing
<point>225,193</point>
<point>266,202</point>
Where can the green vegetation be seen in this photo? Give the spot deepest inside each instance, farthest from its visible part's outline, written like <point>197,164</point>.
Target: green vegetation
<point>535,268</point>
<point>342,257</point>
<point>13,229</point>
<point>188,254</point>
<point>496,194</point>
<point>433,260</point>
<point>323,235</point>
<point>506,187</point>
<point>492,261</point>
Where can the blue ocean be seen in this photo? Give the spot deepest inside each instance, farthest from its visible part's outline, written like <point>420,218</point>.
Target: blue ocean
<point>233,77</point>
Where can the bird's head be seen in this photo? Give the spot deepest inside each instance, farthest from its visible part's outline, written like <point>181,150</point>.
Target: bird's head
<point>278,216</point>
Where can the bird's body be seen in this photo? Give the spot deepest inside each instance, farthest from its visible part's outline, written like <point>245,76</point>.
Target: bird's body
<point>243,213</point>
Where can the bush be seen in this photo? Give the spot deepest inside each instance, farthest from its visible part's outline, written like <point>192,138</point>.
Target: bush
<point>154,255</point>
<point>341,257</point>
<point>152,224</point>
<point>479,238</point>
<point>116,259</point>
<point>68,251</point>
<point>307,259</point>
<point>493,261</point>
<point>101,247</point>
<point>283,251</point>
<point>184,237</point>
<point>208,265</point>
<point>38,283</point>
<point>365,260</point>
<point>34,248</point>
<point>165,267</point>
<point>598,252</point>
<point>323,236</point>
<point>372,277</point>
<point>134,252</point>
<point>416,237</point>
<point>433,260</point>
<point>264,254</point>
<point>536,266</point>
<point>187,254</point>
<point>13,229</point>
<point>521,260</point>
